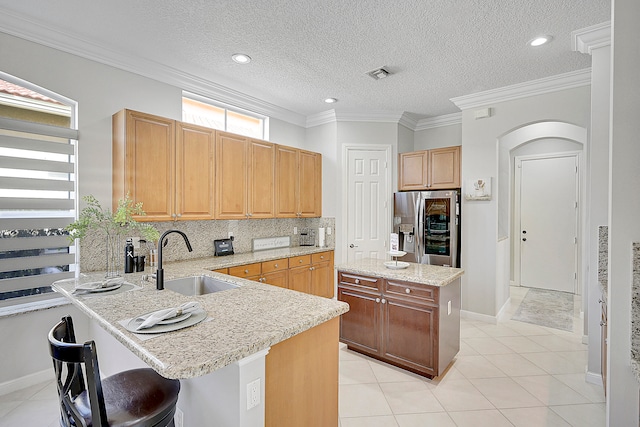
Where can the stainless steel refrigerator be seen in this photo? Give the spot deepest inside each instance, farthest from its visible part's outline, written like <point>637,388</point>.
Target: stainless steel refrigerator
<point>428,226</point>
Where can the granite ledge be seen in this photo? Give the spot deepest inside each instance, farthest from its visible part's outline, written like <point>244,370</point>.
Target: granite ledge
<point>244,321</point>
<point>425,274</point>
<point>635,311</point>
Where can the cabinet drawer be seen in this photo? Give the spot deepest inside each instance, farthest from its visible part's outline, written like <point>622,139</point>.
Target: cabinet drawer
<point>275,265</point>
<point>245,270</point>
<point>222,270</point>
<point>298,261</point>
<point>357,280</point>
<point>414,290</point>
<point>321,257</point>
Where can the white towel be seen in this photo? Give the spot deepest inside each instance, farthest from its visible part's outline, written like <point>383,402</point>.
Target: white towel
<point>154,318</point>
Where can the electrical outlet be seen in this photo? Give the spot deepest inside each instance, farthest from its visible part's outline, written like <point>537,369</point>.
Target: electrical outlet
<point>449,308</point>
<point>329,231</point>
<point>295,230</point>
<point>178,418</point>
<point>230,235</point>
<point>253,394</point>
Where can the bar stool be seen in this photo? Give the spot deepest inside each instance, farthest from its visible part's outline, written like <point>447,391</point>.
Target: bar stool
<point>138,397</point>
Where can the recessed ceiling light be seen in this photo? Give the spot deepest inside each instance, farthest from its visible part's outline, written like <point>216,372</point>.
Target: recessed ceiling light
<point>330,100</point>
<point>241,58</point>
<point>540,40</point>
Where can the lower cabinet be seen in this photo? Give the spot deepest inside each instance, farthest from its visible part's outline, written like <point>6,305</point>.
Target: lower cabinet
<point>311,274</point>
<point>401,322</point>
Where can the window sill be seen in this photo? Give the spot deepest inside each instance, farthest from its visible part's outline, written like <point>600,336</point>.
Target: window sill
<point>29,307</point>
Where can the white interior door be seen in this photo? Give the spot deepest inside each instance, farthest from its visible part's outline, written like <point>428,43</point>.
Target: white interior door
<point>548,211</point>
<point>368,220</point>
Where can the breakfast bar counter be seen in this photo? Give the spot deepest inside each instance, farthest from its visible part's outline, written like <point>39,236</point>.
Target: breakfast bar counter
<point>242,325</point>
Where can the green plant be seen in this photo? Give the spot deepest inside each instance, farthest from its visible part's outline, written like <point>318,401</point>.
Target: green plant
<point>118,224</point>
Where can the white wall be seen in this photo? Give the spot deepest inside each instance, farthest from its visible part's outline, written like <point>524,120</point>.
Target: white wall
<point>479,159</point>
<point>25,349</point>
<point>624,206</point>
<point>438,137</point>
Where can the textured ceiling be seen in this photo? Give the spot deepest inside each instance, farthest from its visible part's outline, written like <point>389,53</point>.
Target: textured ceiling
<point>304,51</point>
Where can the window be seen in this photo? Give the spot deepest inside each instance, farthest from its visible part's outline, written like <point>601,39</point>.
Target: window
<point>205,112</point>
<point>37,190</point>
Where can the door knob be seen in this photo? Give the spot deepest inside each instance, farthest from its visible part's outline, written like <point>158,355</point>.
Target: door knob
<point>524,239</point>
<point>353,246</point>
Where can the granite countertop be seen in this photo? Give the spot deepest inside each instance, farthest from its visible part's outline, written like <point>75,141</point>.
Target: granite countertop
<point>432,275</point>
<point>635,311</point>
<point>240,321</point>
<point>215,263</point>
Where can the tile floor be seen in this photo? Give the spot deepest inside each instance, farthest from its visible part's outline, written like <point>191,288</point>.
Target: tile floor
<point>509,374</point>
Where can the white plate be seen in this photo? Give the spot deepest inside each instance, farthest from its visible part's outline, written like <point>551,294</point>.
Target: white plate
<point>176,319</point>
<point>90,287</point>
<point>397,253</point>
<point>194,318</point>
<point>396,265</point>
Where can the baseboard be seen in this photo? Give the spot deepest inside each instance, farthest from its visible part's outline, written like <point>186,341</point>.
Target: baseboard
<point>593,378</point>
<point>26,381</point>
<point>506,304</point>
<point>471,315</point>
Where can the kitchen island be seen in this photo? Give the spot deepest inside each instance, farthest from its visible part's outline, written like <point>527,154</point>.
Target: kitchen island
<point>255,332</point>
<point>409,317</point>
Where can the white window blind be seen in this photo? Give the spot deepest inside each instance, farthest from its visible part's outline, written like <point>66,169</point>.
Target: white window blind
<point>37,200</point>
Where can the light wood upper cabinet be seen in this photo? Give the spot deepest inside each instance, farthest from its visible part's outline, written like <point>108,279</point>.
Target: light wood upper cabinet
<point>195,178</point>
<point>261,176</point>
<point>167,166</point>
<point>444,168</point>
<point>298,183</point>
<point>435,169</point>
<point>245,173</point>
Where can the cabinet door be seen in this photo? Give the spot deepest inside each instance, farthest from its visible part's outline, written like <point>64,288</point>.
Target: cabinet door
<point>410,334</point>
<point>261,179</point>
<point>360,326</point>
<point>195,150</point>
<point>231,176</point>
<point>414,168</point>
<point>322,274</point>
<point>310,177</point>
<point>286,182</point>
<point>277,278</point>
<point>444,168</point>
<point>300,279</point>
<point>143,162</point>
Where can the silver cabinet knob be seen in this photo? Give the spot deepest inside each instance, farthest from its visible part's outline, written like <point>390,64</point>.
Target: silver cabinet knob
<point>377,300</point>
<point>276,265</point>
<point>246,272</point>
<point>408,290</point>
<point>357,281</point>
<point>384,301</point>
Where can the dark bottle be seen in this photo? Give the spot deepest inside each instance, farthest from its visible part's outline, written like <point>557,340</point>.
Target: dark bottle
<point>129,262</point>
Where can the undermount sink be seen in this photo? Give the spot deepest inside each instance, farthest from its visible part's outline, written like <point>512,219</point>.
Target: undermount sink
<point>197,285</point>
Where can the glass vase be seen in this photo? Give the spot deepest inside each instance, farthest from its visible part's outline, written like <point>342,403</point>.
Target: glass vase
<point>115,256</point>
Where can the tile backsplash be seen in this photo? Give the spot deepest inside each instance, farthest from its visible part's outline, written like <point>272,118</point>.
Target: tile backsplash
<point>201,235</point>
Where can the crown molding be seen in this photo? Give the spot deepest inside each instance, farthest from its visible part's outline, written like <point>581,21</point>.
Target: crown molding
<point>593,37</point>
<point>436,122</point>
<point>19,26</point>
<point>321,118</point>
<point>563,81</point>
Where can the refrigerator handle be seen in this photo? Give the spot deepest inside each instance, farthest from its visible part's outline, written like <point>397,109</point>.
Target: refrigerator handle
<point>419,226</point>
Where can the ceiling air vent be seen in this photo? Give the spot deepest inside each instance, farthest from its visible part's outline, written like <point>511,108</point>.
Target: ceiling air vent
<point>378,73</point>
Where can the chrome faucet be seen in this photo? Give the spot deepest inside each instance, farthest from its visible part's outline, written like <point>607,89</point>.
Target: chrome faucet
<point>160,270</point>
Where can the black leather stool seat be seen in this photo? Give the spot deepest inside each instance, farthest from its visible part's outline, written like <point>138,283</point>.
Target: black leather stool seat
<point>133,398</point>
